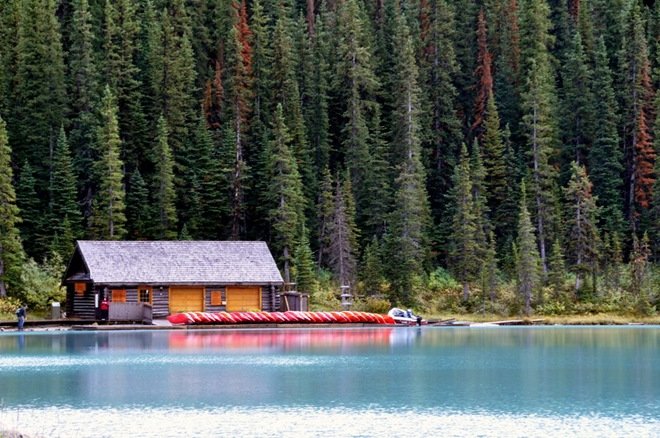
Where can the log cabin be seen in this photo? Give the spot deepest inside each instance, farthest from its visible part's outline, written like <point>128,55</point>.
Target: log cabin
<point>170,277</point>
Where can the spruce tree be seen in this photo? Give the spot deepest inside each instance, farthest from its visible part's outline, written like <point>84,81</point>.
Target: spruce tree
<point>577,107</point>
<point>303,261</point>
<point>464,252</point>
<point>286,92</point>
<point>484,78</point>
<point>83,89</point>
<point>164,195</point>
<point>445,137</point>
<point>539,121</point>
<point>583,233</point>
<point>121,71</point>
<point>635,100</point>
<point>239,95</point>
<point>557,269</point>
<point>371,272</point>
<point>285,197</point>
<point>495,166</point>
<point>342,250</point>
<point>410,217</point>
<point>64,209</point>
<point>138,212</point>
<point>39,89</point>
<point>528,262</point>
<point>325,208</point>
<point>605,158</point>
<point>108,209</point>
<point>11,251</point>
<point>28,203</point>
<point>506,67</point>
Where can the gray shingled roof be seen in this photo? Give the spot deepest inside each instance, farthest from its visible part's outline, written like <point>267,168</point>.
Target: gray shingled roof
<point>179,262</point>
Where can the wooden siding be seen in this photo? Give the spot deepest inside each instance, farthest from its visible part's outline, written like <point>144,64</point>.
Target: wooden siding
<point>83,305</point>
<point>270,299</point>
<point>160,302</point>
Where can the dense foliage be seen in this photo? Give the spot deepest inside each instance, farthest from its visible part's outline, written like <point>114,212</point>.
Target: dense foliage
<point>395,145</point>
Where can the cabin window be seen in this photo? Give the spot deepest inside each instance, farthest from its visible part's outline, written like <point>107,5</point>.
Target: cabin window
<point>118,295</point>
<point>144,295</point>
<point>80,288</point>
<point>216,298</point>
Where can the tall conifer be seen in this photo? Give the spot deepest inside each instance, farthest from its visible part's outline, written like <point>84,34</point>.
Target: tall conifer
<point>164,194</point>
<point>63,200</point>
<point>11,251</point>
<point>528,263</point>
<point>583,233</point>
<point>410,217</point>
<point>285,197</point>
<point>108,208</point>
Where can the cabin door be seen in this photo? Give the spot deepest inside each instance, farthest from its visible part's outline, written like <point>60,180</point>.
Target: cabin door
<point>241,299</point>
<point>186,299</point>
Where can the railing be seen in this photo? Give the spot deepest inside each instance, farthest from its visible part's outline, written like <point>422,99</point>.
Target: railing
<point>130,312</point>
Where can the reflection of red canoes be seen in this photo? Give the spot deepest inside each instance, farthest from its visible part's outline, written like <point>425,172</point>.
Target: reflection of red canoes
<point>279,318</point>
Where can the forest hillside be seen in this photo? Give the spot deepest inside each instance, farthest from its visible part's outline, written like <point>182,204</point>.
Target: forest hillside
<point>492,155</point>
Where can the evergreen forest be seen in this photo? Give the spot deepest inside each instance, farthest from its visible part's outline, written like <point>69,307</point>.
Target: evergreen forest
<point>464,155</point>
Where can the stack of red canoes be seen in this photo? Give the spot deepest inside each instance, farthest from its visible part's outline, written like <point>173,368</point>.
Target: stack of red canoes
<point>279,318</point>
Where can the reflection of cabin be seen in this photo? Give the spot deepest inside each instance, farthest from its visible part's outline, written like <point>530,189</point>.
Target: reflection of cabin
<point>171,276</point>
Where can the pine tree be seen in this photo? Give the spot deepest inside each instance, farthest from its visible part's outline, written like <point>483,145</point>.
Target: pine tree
<point>65,214</point>
<point>489,269</point>
<point>164,195</point>
<point>506,77</point>
<point>464,251</point>
<point>286,92</point>
<point>108,209</point>
<point>285,195</point>
<point>325,208</point>
<point>539,123</point>
<point>635,100</point>
<point>138,213</point>
<point>528,260</point>
<point>210,209</point>
<point>303,261</point>
<point>83,90</point>
<point>356,82</point>
<point>371,272</point>
<point>11,251</point>
<point>121,71</point>
<point>484,78</point>
<point>605,158</point>
<point>342,249</point>
<point>639,273</point>
<point>557,269</point>
<point>582,230</point>
<point>239,94</point>
<point>39,99</point>
<point>495,166</point>
<point>445,137</point>
<point>28,203</point>
<point>577,107</point>
<point>410,217</point>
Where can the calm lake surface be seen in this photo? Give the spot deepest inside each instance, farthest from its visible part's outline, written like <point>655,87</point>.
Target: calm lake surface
<point>430,381</point>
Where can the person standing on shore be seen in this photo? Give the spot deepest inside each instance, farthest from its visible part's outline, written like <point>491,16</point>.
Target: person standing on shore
<point>21,314</point>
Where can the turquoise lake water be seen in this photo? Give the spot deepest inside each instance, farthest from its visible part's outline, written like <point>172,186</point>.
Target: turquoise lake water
<point>429,381</point>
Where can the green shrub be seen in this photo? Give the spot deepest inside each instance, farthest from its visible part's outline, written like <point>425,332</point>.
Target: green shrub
<point>8,307</point>
<point>373,305</point>
<point>40,284</point>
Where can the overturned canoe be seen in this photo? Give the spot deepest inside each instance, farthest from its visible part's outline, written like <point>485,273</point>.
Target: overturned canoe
<point>290,317</point>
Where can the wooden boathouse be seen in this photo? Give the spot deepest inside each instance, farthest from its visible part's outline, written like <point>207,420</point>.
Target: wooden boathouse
<point>164,277</point>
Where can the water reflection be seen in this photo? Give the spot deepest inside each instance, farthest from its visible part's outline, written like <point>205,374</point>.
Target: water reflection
<point>548,371</point>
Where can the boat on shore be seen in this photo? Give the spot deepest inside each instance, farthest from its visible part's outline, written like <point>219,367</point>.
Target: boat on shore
<point>289,317</point>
